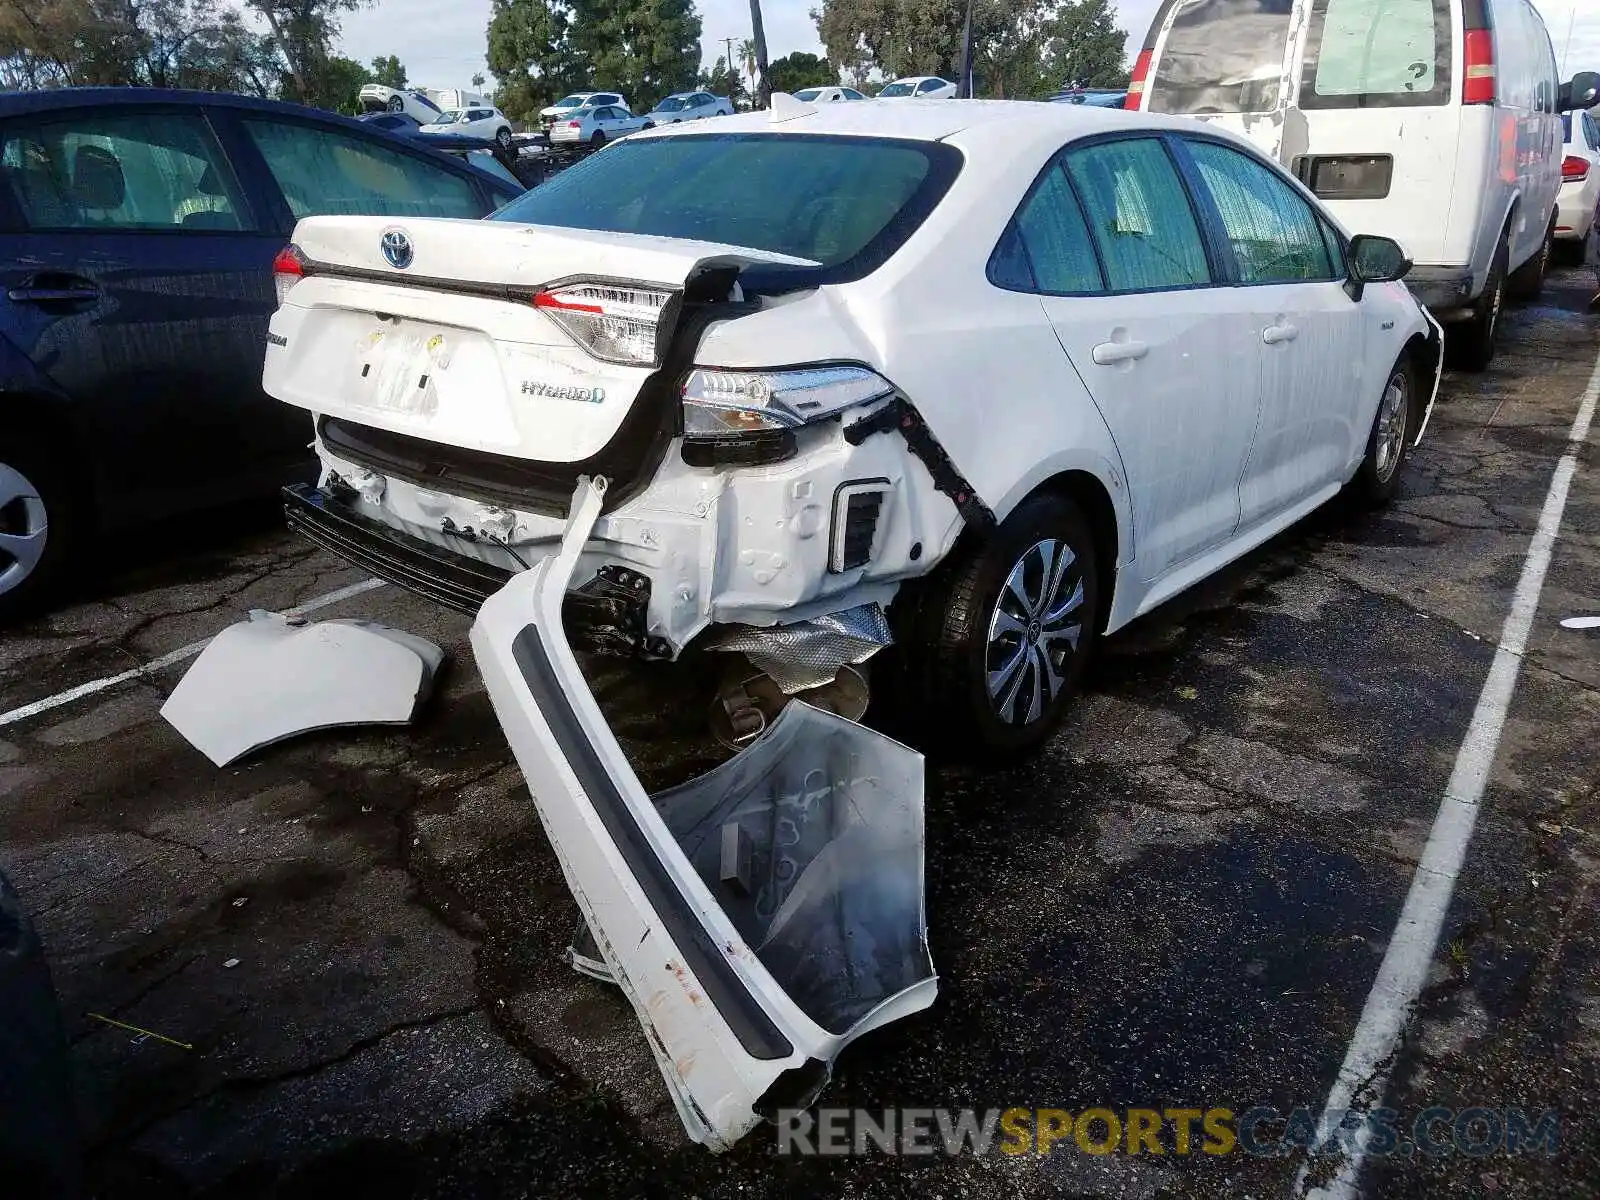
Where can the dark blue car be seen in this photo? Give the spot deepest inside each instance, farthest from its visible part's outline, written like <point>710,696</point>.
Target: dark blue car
<point>137,233</point>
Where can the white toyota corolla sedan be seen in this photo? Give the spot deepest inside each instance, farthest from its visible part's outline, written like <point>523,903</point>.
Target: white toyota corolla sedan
<point>985,380</point>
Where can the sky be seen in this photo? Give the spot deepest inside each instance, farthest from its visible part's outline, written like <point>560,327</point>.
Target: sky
<point>442,45</point>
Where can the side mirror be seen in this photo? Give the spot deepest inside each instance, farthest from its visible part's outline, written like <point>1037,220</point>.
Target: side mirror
<point>1374,259</point>
<point>1582,92</point>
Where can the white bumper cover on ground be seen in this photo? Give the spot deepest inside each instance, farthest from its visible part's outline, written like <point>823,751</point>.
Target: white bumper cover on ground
<point>759,918</point>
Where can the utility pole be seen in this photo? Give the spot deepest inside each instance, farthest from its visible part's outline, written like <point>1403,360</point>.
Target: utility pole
<point>728,42</point>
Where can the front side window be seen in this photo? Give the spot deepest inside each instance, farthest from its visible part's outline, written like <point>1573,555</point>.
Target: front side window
<point>1222,56</point>
<point>1275,235</point>
<point>670,104</point>
<point>1377,54</point>
<point>930,85</point>
<point>1139,215</point>
<point>125,171</point>
<point>323,171</point>
<point>808,94</point>
<point>863,196</point>
<point>1047,247</point>
<point>851,94</point>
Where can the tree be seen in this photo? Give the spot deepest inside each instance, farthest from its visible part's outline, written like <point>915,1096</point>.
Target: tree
<point>389,71</point>
<point>759,76</point>
<point>333,83</point>
<point>478,79</point>
<point>799,69</point>
<point>303,31</point>
<point>531,53</point>
<point>722,80</point>
<point>645,49</point>
<point>745,57</point>
<point>1021,48</point>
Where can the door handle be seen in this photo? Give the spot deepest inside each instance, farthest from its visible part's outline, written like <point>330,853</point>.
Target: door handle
<point>1109,354</point>
<point>61,290</point>
<point>1273,334</point>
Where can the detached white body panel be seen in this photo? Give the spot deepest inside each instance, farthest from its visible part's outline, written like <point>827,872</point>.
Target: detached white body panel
<point>725,1033</point>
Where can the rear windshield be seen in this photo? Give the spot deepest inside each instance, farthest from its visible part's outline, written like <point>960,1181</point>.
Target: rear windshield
<point>1223,56</point>
<point>846,203</point>
<point>897,89</point>
<point>1377,54</point>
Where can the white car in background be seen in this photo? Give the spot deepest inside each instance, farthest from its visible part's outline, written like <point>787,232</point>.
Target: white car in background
<point>597,126</point>
<point>1579,200</point>
<point>689,106</point>
<point>921,87</point>
<point>828,95</point>
<point>376,97</point>
<point>722,406</point>
<point>484,121</point>
<point>568,105</point>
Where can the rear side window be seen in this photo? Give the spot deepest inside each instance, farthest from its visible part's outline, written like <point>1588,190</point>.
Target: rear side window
<point>127,171</point>
<point>1275,235</point>
<point>1223,56</point>
<point>324,172</point>
<point>862,196</point>
<point>1139,215</point>
<point>1377,54</point>
<point>1047,247</point>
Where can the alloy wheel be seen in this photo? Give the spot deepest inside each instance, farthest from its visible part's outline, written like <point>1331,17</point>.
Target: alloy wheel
<point>1392,419</point>
<point>1034,631</point>
<point>23,528</point>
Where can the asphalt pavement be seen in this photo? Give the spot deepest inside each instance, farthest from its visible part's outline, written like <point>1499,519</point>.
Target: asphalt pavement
<point>353,940</point>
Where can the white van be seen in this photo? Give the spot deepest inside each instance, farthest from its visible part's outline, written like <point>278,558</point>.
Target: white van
<point>1433,122</point>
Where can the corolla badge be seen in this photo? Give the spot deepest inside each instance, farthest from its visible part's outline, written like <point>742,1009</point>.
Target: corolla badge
<point>396,248</point>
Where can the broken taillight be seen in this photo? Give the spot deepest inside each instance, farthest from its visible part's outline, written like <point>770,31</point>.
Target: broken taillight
<point>618,323</point>
<point>1478,51</point>
<point>1574,169</point>
<point>288,269</point>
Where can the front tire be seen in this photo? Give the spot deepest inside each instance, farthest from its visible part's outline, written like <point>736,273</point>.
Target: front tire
<point>395,104</point>
<point>37,521</point>
<point>1472,342</point>
<point>1389,444</point>
<point>999,637</point>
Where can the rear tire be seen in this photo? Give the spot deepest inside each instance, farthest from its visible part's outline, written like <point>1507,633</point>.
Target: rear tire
<point>1471,343</point>
<point>38,525</point>
<point>599,139</point>
<point>1527,281</point>
<point>396,104</point>
<point>993,644</point>
<point>1389,444</point>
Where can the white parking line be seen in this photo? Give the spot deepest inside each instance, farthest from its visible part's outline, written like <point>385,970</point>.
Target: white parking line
<point>155,665</point>
<point>1405,965</point>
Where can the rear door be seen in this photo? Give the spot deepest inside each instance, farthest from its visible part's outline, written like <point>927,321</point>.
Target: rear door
<point>137,275</point>
<point>1110,239</point>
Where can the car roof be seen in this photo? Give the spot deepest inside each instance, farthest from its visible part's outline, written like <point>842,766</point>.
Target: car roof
<point>935,120</point>
<point>53,99</point>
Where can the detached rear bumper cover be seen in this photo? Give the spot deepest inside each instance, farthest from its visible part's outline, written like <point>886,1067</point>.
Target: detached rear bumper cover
<point>761,917</point>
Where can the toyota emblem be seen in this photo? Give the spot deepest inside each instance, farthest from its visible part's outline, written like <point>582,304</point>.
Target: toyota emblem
<point>397,248</point>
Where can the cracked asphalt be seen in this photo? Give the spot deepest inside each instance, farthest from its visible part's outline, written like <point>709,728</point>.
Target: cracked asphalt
<point>1181,902</point>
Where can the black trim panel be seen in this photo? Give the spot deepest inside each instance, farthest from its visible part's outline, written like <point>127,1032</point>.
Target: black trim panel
<point>750,1023</point>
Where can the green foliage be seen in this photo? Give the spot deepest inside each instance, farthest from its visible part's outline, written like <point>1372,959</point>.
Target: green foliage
<point>721,81</point>
<point>800,70</point>
<point>1021,48</point>
<point>389,71</point>
<point>333,83</point>
<point>542,49</point>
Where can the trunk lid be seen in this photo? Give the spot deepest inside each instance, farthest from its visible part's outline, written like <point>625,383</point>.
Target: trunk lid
<point>430,328</point>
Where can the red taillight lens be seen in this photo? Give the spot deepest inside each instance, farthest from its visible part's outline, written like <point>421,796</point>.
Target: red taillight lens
<point>574,124</point>
<point>1141,72</point>
<point>615,322</point>
<point>1479,85</point>
<point>288,269</point>
<point>1574,168</point>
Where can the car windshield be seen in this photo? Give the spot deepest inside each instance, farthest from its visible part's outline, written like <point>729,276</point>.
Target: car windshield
<point>808,95</point>
<point>898,89</point>
<point>673,104</point>
<point>863,196</point>
<point>570,102</point>
<point>1223,56</point>
<point>451,116</point>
